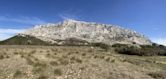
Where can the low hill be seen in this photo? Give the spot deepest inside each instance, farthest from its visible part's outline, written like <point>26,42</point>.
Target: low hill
<point>23,40</point>
<point>30,40</point>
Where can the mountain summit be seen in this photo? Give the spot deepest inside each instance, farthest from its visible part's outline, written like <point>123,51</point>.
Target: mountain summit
<point>85,32</point>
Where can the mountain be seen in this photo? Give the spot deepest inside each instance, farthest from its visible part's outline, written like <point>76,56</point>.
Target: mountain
<point>83,33</point>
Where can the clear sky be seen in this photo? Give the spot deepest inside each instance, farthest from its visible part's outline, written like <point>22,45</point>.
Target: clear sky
<point>147,17</point>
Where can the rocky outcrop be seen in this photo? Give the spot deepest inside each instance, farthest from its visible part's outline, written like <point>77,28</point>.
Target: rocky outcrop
<point>86,31</point>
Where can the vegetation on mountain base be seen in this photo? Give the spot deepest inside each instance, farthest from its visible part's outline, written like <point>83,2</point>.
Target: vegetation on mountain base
<point>142,50</point>
<point>101,45</point>
<point>23,40</point>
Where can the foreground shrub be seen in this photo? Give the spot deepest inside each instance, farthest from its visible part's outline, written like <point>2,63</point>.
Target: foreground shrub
<point>43,77</point>
<point>18,73</point>
<point>58,72</point>
<point>1,57</point>
<point>157,75</point>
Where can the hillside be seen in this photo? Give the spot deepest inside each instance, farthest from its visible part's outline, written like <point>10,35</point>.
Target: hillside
<point>76,62</point>
<point>23,40</point>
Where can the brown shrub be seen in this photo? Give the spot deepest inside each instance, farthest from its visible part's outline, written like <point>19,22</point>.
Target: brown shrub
<point>43,77</point>
<point>58,72</point>
<point>54,63</point>
<point>157,75</point>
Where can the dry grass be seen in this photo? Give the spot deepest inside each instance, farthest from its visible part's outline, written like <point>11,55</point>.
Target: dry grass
<point>53,62</point>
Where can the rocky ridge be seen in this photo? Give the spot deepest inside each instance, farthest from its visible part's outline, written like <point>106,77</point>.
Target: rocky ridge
<point>90,32</point>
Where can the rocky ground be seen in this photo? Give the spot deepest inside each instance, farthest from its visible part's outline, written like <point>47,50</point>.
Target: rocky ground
<point>81,62</point>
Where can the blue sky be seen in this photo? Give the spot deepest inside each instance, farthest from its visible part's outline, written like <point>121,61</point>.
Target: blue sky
<point>147,17</point>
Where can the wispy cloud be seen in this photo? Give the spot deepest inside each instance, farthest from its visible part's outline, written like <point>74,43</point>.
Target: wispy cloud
<point>25,20</point>
<point>68,16</point>
<point>71,14</point>
<point>7,33</point>
<point>11,31</point>
<point>16,20</point>
<point>159,40</point>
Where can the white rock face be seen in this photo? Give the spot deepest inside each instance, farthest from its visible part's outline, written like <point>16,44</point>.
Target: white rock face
<point>88,31</point>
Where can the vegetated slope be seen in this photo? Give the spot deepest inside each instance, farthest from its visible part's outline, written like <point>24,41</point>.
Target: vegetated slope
<point>23,40</point>
<point>30,40</point>
<point>87,31</point>
<point>142,50</point>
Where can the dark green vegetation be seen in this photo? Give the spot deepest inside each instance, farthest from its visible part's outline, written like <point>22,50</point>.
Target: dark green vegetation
<point>30,40</point>
<point>101,45</point>
<point>73,42</point>
<point>142,50</point>
<point>20,40</point>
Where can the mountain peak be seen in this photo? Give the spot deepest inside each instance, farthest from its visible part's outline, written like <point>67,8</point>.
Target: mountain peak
<point>72,21</point>
<point>90,32</point>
